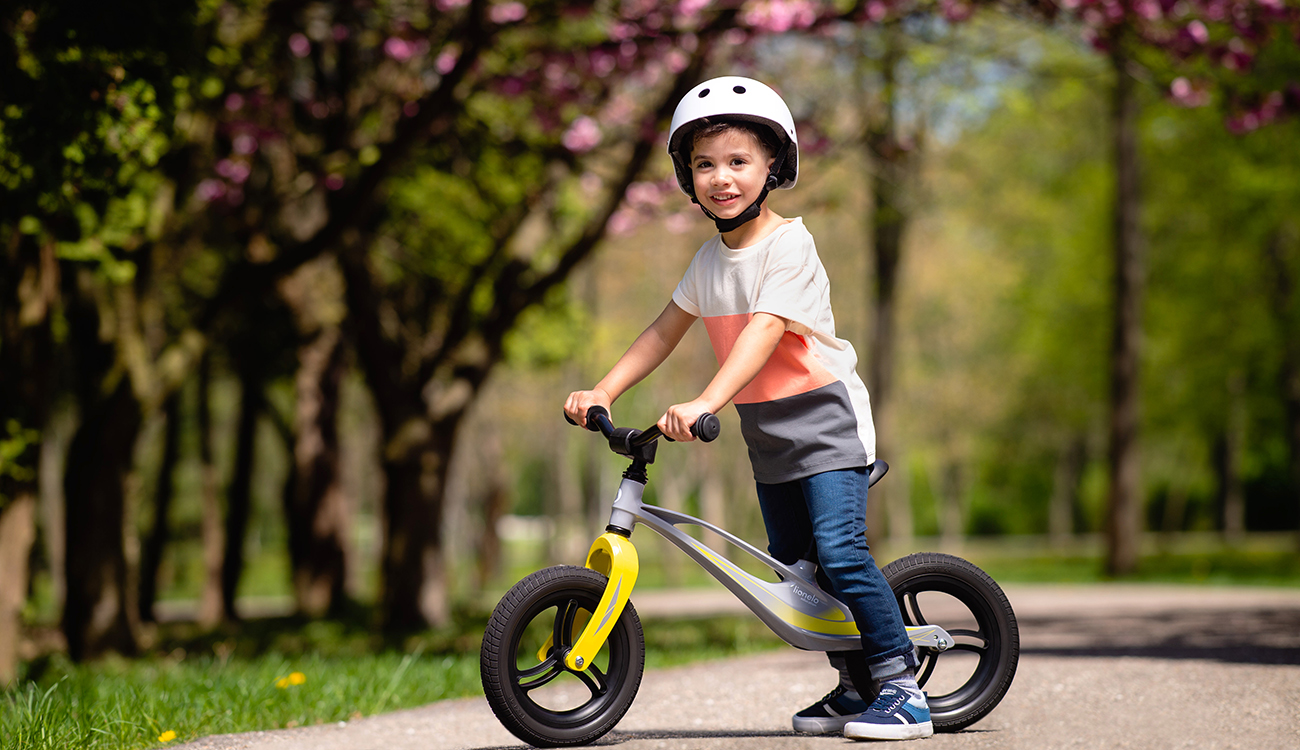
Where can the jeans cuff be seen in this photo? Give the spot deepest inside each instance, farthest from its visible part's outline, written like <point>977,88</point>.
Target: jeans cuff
<point>894,666</point>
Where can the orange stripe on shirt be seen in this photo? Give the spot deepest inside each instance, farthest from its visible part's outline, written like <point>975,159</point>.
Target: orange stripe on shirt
<point>792,369</point>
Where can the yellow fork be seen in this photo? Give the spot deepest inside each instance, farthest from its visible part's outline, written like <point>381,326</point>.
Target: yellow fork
<point>616,558</point>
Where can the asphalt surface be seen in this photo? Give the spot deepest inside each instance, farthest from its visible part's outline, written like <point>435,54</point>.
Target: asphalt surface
<point>1101,667</point>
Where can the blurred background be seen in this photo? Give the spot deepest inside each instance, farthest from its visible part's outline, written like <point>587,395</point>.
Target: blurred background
<point>293,293</point>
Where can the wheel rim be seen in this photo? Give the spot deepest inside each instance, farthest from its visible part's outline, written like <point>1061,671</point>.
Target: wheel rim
<point>547,690</point>
<point>985,641</point>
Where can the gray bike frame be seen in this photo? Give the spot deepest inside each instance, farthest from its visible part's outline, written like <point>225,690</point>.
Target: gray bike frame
<point>813,620</point>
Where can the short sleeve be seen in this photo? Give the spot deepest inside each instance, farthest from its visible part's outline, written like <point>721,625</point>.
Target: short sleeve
<point>686,295</point>
<point>791,286</point>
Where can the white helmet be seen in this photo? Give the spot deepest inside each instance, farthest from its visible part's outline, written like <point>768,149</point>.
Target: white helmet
<point>733,98</point>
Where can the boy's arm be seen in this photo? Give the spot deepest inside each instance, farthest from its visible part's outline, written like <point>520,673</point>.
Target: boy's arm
<point>649,350</point>
<point>751,351</point>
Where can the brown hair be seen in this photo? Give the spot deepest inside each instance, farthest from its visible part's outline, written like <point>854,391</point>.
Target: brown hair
<point>710,127</point>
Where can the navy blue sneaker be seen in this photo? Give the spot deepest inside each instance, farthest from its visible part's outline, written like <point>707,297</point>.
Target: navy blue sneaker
<point>897,714</point>
<point>830,714</point>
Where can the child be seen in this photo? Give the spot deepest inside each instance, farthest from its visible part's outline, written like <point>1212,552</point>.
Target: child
<point>804,412</point>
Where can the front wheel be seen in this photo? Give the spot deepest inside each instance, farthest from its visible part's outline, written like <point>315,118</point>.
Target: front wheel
<point>531,691</point>
<point>966,681</point>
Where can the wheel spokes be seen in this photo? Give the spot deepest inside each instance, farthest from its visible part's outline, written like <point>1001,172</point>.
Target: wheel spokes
<point>543,673</point>
<point>563,631</point>
<point>976,634</point>
<point>927,669</point>
<point>912,606</point>
<point>594,679</point>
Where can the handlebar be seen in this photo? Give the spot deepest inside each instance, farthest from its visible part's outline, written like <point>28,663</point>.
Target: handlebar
<point>625,441</point>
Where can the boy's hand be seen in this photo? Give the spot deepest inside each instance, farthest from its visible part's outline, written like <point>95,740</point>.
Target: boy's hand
<point>676,422</point>
<point>579,402</point>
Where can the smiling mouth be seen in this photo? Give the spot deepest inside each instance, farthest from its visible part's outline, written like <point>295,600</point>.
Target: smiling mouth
<point>724,199</point>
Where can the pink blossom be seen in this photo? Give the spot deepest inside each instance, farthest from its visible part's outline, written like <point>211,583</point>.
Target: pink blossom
<point>235,102</point>
<point>1197,31</point>
<point>583,135</point>
<point>622,222</point>
<point>876,11</point>
<point>778,16</point>
<point>507,12</point>
<point>243,143</point>
<point>603,63</point>
<point>956,10</point>
<point>399,49</point>
<point>677,61</point>
<point>688,11</point>
<point>1186,94</point>
<point>644,194</point>
<point>446,60</point>
<point>235,171</point>
<point>299,45</point>
<point>1148,9</point>
<point>734,37</point>
<point>210,190</point>
<point>450,5</point>
<point>620,110</point>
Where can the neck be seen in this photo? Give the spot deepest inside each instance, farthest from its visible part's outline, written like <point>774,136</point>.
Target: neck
<point>752,232</point>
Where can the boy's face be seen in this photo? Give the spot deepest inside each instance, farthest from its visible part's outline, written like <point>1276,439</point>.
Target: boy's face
<point>729,170</point>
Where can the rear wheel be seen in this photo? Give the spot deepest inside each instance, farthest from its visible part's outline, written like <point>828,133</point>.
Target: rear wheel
<point>965,682</point>
<point>528,686</point>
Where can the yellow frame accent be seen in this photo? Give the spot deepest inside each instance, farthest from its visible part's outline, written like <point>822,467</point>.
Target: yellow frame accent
<point>616,558</point>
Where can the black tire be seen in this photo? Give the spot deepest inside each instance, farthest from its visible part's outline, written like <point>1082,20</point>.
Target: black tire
<point>544,604</point>
<point>969,679</point>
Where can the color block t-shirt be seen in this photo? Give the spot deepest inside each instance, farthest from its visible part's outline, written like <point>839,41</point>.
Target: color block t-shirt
<point>806,411</point>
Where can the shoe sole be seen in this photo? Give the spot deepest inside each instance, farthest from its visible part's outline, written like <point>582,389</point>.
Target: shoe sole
<point>865,731</point>
<point>821,724</point>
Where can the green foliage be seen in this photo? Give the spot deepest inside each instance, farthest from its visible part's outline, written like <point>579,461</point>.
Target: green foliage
<point>16,456</point>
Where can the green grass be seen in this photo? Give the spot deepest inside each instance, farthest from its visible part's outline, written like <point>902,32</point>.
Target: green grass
<point>234,681</point>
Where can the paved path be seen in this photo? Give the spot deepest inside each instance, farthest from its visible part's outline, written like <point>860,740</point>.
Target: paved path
<point>1101,667</point>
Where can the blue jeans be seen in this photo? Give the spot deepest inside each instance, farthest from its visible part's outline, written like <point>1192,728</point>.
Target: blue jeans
<point>823,518</point>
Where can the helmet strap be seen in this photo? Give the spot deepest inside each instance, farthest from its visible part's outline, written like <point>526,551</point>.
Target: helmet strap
<point>755,208</point>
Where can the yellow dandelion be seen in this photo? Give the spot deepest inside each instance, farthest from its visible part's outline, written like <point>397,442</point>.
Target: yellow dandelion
<point>297,678</point>
<point>167,736</point>
<point>282,683</point>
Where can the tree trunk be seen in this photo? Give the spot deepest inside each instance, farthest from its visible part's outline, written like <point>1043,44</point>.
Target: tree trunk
<point>17,532</point>
<point>155,545</point>
<point>211,610</point>
<point>892,168</point>
<point>240,491</point>
<point>414,577</point>
<point>316,508</point>
<point>29,283</point>
<point>98,615</point>
<point>1232,494</point>
<point>1070,463</point>
<point>1124,520</point>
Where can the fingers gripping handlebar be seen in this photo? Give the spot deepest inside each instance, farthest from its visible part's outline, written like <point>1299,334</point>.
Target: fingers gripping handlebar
<point>640,443</point>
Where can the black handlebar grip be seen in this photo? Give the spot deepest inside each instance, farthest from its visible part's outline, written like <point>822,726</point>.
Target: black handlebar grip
<point>592,413</point>
<point>707,428</point>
